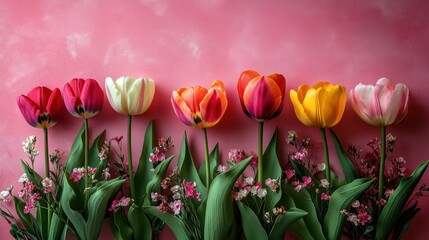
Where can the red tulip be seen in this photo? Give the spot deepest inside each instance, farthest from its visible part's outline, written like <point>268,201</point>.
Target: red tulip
<point>199,107</point>
<point>261,97</point>
<point>83,98</point>
<point>41,107</point>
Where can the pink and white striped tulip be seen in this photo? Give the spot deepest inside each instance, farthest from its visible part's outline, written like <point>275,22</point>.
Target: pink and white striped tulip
<point>381,104</point>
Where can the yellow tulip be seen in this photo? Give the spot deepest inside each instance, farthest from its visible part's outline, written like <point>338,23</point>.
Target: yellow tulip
<point>319,106</point>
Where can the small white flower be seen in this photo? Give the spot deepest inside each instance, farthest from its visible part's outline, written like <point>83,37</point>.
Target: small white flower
<point>321,167</point>
<point>23,178</point>
<point>324,183</point>
<point>249,181</point>
<point>221,168</point>
<point>243,193</point>
<point>262,192</point>
<point>356,204</point>
<point>4,196</point>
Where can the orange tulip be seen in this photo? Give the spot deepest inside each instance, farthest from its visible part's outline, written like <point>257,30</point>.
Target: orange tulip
<point>199,107</point>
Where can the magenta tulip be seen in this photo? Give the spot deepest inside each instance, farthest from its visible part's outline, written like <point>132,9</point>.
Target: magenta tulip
<point>41,107</point>
<point>382,104</point>
<point>261,97</point>
<point>83,98</point>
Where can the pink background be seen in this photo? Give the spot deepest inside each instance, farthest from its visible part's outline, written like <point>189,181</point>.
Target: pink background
<point>185,43</point>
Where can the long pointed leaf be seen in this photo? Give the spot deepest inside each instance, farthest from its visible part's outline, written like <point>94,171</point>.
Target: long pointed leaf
<point>155,184</point>
<point>273,170</point>
<point>76,155</point>
<point>94,150</point>
<point>283,222</point>
<point>349,170</point>
<point>251,225</point>
<point>214,163</point>
<point>298,227</point>
<point>341,199</point>
<point>120,228</point>
<point>139,223</point>
<point>219,213</point>
<point>175,224</point>
<point>144,174</point>
<point>395,205</point>
<point>187,168</point>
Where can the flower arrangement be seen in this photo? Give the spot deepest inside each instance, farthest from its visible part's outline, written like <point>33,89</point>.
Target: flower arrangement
<point>249,195</point>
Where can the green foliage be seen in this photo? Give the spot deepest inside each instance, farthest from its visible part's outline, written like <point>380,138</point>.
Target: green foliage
<point>283,221</point>
<point>219,213</point>
<point>347,166</point>
<point>273,170</point>
<point>214,163</point>
<point>176,224</point>
<point>392,210</point>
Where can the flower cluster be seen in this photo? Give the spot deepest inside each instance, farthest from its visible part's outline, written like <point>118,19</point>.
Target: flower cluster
<point>79,173</point>
<point>159,153</point>
<point>359,215</point>
<point>247,185</point>
<point>175,194</point>
<point>237,155</point>
<point>117,204</point>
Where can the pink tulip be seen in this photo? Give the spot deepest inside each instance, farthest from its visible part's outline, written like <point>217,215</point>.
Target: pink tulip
<point>382,104</point>
<point>42,107</point>
<point>83,98</point>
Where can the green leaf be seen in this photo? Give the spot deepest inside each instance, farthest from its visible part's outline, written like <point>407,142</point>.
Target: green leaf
<point>214,163</point>
<point>349,170</point>
<point>139,223</point>
<point>144,174</point>
<point>76,156</point>
<point>283,221</point>
<point>120,228</point>
<point>97,205</point>
<point>187,168</point>
<point>404,221</point>
<point>26,219</point>
<point>251,225</point>
<point>298,227</point>
<point>32,175</point>
<point>273,170</point>
<point>341,199</point>
<point>175,224</point>
<point>219,212</point>
<point>303,201</point>
<point>56,225</point>
<point>94,150</point>
<point>397,201</point>
<point>158,175</point>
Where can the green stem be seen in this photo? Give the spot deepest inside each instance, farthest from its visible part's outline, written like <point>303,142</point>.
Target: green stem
<point>382,162</point>
<point>130,159</point>
<point>86,149</point>
<point>326,154</point>
<point>260,156</point>
<point>47,173</point>
<point>206,155</point>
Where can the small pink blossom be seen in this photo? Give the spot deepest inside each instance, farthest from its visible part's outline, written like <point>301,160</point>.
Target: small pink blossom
<point>272,184</point>
<point>176,206</point>
<point>191,190</point>
<point>31,202</point>
<point>48,185</point>
<point>325,197</point>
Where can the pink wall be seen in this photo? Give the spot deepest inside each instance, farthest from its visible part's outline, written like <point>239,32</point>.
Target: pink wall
<point>177,44</point>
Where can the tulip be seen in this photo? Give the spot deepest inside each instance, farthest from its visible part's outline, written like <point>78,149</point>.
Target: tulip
<point>42,107</point>
<point>381,105</point>
<point>320,106</point>
<point>202,108</point>
<point>199,107</point>
<point>261,97</point>
<point>83,98</point>
<point>130,97</point>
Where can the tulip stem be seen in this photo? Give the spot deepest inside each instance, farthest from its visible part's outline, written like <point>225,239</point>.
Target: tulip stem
<point>86,148</point>
<point>382,162</point>
<point>47,173</point>
<point>326,154</point>
<point>206,155</point>
<point>130,160</point>
<point>260,153</point>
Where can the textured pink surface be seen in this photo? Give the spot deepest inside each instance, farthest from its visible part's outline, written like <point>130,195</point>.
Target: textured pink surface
<point>182,44</point>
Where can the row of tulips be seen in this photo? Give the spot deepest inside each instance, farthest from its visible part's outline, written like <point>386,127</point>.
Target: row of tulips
<point>261,98</point>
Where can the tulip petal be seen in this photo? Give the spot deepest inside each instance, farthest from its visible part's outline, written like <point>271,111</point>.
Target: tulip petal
<point>148,93</point>
<point>133,94</point>
<point>262,98</point>
<point>180,107</point>
<point>30,111</point>
<point>214,105</point>
<point>71,93</point>
<point>92,98</point>
<point>366,104</point>
<point>114,95</point>
<point>54,107</point>
<point>333,105</point>
<point>243,81</point>
<point>312,106</point>
<point>299,109</point>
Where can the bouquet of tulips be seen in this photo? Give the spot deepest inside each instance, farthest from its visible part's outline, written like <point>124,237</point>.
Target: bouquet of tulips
<point>217,200</point>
